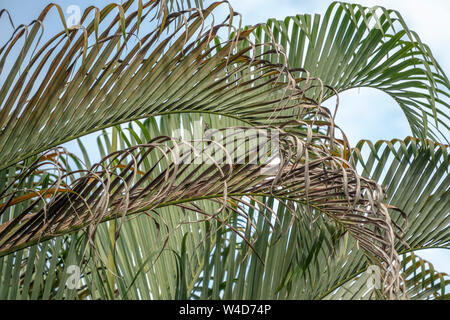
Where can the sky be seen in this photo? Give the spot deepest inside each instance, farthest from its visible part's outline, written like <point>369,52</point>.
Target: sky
<point>365,113</point>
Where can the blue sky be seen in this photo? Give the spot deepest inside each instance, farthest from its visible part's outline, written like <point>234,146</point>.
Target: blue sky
<point>366,113</point>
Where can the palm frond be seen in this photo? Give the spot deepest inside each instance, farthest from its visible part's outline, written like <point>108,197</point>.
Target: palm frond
<point>422,282</point>
<point>308,174</point>
<point>353,46</point>
<point>39,271</point>
<point>88,78</point>
<point>317,260</point>
<point>414,174</point>
<point>415,177</point>
<point>160,217</point>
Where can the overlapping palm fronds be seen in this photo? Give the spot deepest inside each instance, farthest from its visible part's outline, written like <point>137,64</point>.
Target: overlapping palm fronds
<point>353,46</point>
<point>220,213</point>
<point>320,261</point>
<point>422,281</point>
<point>415,177</point>
<point>308,174</point>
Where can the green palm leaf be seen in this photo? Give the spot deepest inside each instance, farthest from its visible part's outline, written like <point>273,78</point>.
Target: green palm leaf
<point>415,176</point>
<point>143,225</point>
<point>86,79</point>
<point>319,261</point>
<point>353,46</point>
